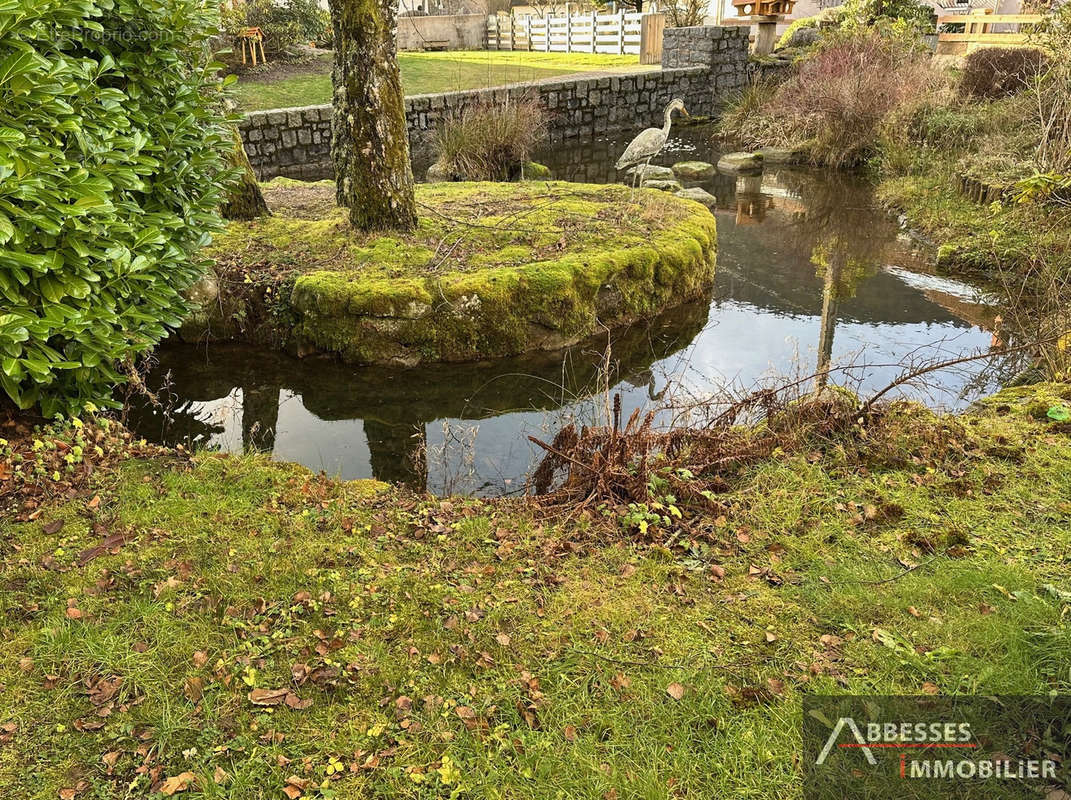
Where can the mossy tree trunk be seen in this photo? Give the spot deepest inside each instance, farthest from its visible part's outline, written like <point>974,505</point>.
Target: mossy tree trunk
<point>244,200</point>
<point>369,139</point>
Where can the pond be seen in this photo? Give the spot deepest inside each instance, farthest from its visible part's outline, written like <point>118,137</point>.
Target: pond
<point>808,270</point>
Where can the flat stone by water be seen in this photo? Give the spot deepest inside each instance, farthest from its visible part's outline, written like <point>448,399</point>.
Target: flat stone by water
<point>652,172</point>
<point>693,170</point>
<point>663,185</point>
<point>782,155</point>
<point>740,163</point>
<point>699,195</point>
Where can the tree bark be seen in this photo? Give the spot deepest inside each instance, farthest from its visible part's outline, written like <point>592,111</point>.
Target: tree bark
<point>369,138</point>
<point>245,200</point>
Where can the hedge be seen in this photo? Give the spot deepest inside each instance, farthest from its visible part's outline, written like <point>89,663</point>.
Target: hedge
<point>111,169</point>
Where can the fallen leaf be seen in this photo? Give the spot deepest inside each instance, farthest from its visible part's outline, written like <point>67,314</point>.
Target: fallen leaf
<point>570,733</point>
<point>776,685</point>
<point>110,758</point>
<point>94,502</point>
<point>268,697</point>
<point>913,611</point>
<point>297,703</point>
<point>503,639</point>
<point>200,658</point>
<point>675,690</point>
<point>178,783</point>
<point>771,636</point>
<point>930,688</point>
<point>52,527</point>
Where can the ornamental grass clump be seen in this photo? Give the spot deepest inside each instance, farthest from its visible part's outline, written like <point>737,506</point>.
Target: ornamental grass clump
<point>112,163</point>
<point>490,141</point>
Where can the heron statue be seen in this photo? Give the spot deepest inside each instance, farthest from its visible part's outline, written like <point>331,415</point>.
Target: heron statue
<point>649,143</point>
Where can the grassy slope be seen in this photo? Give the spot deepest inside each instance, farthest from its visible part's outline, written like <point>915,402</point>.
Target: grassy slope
<point>427,73</point>
<point>477,651</point>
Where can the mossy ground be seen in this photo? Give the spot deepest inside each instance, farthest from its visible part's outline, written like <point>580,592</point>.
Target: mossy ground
<point>492,269</point>
<point>459,648</point>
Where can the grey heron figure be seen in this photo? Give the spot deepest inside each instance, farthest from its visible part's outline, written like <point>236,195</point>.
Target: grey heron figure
<point>649,143</point>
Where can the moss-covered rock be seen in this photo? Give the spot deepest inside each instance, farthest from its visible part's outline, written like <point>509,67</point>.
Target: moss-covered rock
<point>492,270</point>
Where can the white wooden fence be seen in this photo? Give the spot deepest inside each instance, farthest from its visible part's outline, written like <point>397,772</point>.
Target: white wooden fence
<point>573,33</point>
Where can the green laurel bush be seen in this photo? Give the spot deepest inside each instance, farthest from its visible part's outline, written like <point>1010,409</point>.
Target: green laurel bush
<point>112,165</point>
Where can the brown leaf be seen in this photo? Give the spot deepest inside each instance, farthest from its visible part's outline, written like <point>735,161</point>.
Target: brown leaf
<point>73,613</point>
<point>110,758</point>
<point>296,703</point>
<point>200,658</point>
<point>771,636</point>
<point>930,688</point>
<point>620,681</point>
<point>503,639</point>
<point>194,689</point>
<point>94,502</point>
<point>108,545</point>
<point>675,690</point>
<point>267,697</point>
<point>717,571</point>
<point>178,783</point>
<point>776,685</point>
<point>570,733</point>
<point>913,611</point>
<point>55,526</point>
<point>220,776</point>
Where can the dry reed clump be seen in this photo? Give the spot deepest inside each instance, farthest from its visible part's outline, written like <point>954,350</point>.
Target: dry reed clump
<point>490,141</point>
<point>619,465</point>
<point>837,99</point>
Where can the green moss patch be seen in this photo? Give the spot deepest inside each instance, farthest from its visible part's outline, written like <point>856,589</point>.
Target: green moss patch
<point>492,269</point>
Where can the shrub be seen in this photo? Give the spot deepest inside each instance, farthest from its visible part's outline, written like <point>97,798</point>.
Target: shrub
<point>994,72</point>
<point>490,141</point>
<point>111,159</point>
<point>840,96</point>
<point>1050,94</point>
<point>286,23</point>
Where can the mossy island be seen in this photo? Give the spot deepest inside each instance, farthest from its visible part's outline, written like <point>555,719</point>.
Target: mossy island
<point>492,270</point>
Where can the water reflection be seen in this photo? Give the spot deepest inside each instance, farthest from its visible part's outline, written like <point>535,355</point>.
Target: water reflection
<point>810,277</point>
<point>240,397</point>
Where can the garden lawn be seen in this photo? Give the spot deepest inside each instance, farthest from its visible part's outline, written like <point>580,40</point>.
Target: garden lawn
<point>246,626</point>
<point>284,86</point>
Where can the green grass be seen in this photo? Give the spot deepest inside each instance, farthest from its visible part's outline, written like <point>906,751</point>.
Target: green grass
<point>424,73</point>
<point>468,649</point>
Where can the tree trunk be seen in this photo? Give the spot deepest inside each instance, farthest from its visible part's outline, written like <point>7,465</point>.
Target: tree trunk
<point>245,200</point>
<point>369,139</point>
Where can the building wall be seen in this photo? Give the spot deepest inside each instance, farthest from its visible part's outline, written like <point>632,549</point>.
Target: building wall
<point>701,65</point>
<point>460,31</point>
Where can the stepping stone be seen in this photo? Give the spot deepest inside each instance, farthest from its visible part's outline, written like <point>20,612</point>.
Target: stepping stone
<point>693,170</point>
<point>652,173</point>
<point>699,195</point>
<point>665,186</point>
<point>740,163</point>
<point>783,155</point>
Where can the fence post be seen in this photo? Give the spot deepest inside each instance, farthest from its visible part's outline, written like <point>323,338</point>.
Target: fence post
<point>528,32</point>
<point>621,32</point>
<point>568,29</point>
<point>546,33</point>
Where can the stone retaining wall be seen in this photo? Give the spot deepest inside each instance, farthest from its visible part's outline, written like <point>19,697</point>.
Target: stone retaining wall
<point>701,65</point>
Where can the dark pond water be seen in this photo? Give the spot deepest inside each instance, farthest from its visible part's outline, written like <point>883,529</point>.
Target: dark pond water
<point>806,266</point>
